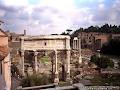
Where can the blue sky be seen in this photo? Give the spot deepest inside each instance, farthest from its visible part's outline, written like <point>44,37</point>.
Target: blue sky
<point>55,16</point>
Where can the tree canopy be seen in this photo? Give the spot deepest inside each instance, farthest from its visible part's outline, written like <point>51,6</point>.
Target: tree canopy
<point>106,28</point>
<point>111,48</point>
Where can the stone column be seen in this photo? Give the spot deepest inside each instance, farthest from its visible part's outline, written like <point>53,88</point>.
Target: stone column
<point>22,43</point>
<point>77,44</point>
<point>52,62</point>
<point>22,58</point>
<point>68,65</point>
<point>80,58</point>
<point>63,66</point>
<point>36,63</point>
<point>73,44</point>
<point>56,79</point>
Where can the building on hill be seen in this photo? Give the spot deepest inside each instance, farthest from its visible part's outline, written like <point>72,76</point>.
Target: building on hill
<point>5,63</point>
<point>93,40</point>
<point>115,36</point>
<point>100,40</point>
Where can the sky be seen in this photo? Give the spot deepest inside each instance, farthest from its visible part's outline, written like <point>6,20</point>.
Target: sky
<point>55,16</point>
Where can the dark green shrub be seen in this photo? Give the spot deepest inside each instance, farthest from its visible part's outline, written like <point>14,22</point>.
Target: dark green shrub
<point>102,62</point>
<point>35,80</point>
<point>119,64</point>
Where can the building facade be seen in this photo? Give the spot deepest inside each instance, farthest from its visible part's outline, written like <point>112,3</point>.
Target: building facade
<point>93,40</point>
<point>5,64</point>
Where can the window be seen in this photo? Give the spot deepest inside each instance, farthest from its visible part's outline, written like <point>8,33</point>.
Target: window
<point>90,41</point>
<point>45,43</point>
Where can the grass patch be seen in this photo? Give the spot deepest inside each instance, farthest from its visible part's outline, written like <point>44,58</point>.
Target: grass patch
<point>45,59</point>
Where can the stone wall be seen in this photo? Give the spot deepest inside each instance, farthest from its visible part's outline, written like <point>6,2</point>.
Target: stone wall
<point>6,64</point>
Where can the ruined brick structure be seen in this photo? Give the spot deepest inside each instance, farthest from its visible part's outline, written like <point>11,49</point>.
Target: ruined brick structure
<point>93,40</point>
<point>5,63</point>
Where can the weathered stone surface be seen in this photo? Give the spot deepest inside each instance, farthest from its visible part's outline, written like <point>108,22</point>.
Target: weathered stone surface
<point>5,59</point>
<point>3,52</point>
<point>47,43</point>
<point>50,42</point>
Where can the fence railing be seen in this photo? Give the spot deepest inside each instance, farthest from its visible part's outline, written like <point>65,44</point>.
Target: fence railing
<point>77,86</point>
<point>36,87</point>
<point>102,87</point>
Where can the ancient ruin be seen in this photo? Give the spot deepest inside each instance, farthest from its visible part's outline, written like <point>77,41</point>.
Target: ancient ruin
<point>54,43</point>
<point>77,46</point>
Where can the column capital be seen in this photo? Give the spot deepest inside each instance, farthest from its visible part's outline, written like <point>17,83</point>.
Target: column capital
<point>35,53</point>
<point>22,52</point>
<point>22,38</point>
<point>55,50</point>
<point>68,49</point>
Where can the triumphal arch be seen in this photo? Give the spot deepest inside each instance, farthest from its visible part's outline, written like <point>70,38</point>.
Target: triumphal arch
<point>54,43</point>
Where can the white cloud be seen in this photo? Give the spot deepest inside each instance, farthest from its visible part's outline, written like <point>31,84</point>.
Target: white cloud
<point>54,16</point>
<point>15,2</point>
<point>101,6</point>
<point>101,1</point>
<point>2,13</point>
<point>47,16</point>
<point>57,16</point>
<point>63,5</point>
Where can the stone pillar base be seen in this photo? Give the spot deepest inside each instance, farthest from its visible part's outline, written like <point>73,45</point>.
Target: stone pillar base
<point>56,79</point>
<point>80,59</point>
<point>68,79</point>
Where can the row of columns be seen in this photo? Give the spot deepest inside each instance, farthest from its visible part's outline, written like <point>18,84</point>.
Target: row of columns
<point>56,79</point>
<point>77,46</point>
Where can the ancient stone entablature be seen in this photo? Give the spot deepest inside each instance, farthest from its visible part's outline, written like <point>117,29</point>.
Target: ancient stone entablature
<point>47,42</point>
<point>50,42</point>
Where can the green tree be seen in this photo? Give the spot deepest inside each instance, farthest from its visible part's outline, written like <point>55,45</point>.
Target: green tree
<point>111,48</point>
<point>119,64</point>
<point>69,31</point>
<point>94,59</point>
